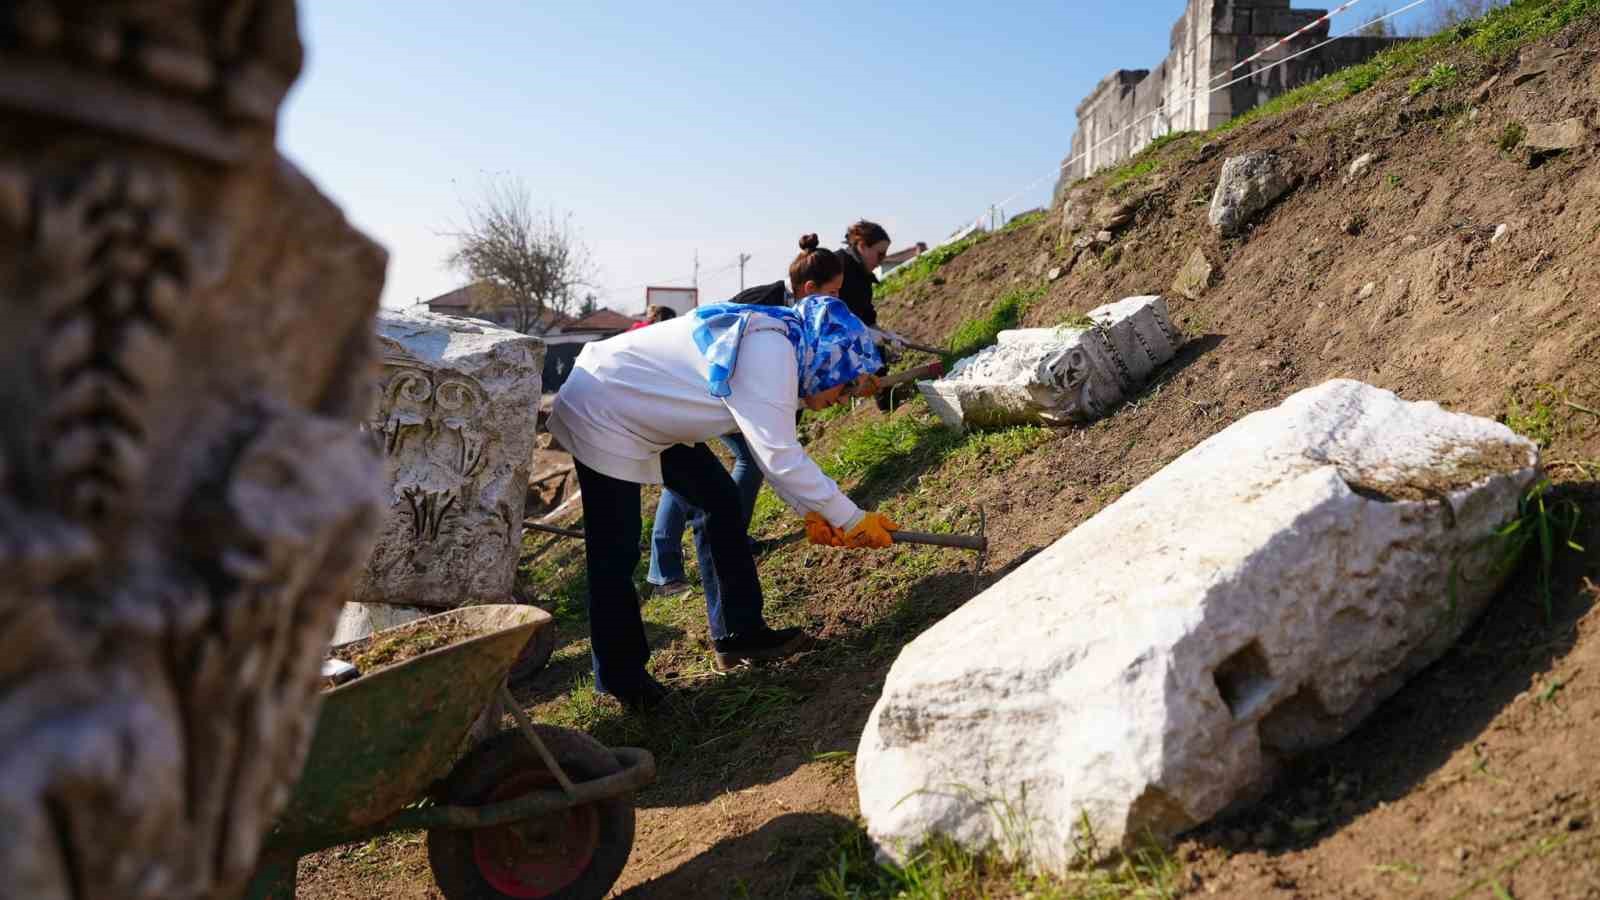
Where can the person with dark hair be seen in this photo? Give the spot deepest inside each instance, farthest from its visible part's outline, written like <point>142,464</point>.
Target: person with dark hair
<point>637,409</point>
<point>865,245</point>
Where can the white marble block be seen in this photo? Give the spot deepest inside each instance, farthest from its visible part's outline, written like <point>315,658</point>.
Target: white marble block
<point>1058,376</point>
<point>456,412</point>
<point>1257,597</point>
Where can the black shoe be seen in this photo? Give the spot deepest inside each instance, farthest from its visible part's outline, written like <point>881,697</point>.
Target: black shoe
<point>646,697</point>
<point>737,649</point>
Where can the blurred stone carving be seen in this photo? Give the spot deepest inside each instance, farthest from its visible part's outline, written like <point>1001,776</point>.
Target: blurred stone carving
<point>184,493</point>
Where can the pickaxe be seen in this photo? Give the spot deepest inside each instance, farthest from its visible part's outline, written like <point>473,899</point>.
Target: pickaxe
<point>978,542</point>
<point>879,334</point>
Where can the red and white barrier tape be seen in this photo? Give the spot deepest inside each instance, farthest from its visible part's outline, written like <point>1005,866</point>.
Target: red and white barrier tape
<point>1286,39</point>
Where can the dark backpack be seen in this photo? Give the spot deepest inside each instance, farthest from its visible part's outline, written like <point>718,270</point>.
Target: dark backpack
<point>773,294</point>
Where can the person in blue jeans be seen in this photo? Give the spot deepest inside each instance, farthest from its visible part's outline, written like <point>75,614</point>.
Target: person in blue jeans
<point>673,515</point>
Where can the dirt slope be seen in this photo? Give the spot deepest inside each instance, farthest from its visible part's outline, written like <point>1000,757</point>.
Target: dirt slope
<point>1477,779</point>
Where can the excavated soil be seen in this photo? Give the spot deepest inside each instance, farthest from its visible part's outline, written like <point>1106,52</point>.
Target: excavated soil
<point>1477,779</point>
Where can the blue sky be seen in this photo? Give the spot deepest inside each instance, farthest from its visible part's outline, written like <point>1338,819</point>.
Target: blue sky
<point>718,127</point>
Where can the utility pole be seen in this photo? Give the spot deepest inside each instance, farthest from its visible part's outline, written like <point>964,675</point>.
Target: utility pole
<point>697,269</point>
<point>743,258</point>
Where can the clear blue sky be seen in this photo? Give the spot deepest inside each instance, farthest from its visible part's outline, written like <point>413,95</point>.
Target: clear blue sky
<point>670,128</point>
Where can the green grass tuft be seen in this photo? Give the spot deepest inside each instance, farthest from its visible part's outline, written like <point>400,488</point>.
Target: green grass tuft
<point>1492,37</point>
<point>922,268</point>
<point>1441,77</point>
<point>1511,136</point>
<point>975,334</point>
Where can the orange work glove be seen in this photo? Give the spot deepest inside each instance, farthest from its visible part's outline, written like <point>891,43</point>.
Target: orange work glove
<point>821,533</point>
<point>872,531</point>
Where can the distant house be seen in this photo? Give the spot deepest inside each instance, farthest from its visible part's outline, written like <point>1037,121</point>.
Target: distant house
<point>563,335</point>
<point>487,301</point>
<point>601,321</point>
<point>898,258</point>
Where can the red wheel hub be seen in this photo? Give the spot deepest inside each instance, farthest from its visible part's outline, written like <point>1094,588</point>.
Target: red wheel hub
<point>536,857</point>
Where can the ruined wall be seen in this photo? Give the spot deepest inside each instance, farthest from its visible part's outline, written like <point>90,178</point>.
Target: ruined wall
<point>1207,40</point>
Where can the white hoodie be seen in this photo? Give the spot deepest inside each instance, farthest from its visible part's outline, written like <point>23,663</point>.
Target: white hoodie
<point>634,395</point>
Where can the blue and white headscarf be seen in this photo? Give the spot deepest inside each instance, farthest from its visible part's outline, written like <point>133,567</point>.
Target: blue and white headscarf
<point>832,346</point>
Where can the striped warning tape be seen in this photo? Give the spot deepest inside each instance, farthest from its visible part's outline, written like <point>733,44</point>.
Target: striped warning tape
<point>1286,39</point>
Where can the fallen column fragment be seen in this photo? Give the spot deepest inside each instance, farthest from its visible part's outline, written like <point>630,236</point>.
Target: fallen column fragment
<point>1257,597</point>
<point>1058,376</point>
<point>455,421</point>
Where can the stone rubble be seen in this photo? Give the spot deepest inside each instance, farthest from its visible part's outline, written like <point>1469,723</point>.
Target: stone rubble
<point>1256,598</point>
<point>1057,376</point>
<point>1249,184</point>
<point>1549,137</point>
<point>1196,276</point>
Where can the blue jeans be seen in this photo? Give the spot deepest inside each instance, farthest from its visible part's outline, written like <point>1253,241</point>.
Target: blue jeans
<point>673,513</point>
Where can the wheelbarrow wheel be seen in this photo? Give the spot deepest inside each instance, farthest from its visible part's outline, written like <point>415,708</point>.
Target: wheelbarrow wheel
<point>574,854</point>
<point>535,654</point>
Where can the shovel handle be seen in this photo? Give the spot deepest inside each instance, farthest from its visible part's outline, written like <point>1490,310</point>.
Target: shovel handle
<point>552,529</point>
<point>964,541</point>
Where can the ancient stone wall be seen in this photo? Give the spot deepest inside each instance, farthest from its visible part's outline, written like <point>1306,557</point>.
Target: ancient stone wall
<point>1208,39</point>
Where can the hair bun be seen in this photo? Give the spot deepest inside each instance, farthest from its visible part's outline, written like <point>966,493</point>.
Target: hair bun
<point>809,242</point>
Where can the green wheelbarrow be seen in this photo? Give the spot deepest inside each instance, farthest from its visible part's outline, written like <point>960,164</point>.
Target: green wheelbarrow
<point>534,811</point>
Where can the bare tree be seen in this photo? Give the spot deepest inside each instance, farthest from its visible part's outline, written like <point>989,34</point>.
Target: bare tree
<point>1452,13</point>
<point>1379,27</point>
<point>533,259</point>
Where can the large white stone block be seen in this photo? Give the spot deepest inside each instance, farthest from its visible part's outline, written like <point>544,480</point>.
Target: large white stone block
<point>1257,597</point>
<point>1057,376</point>
<point>457,406</point>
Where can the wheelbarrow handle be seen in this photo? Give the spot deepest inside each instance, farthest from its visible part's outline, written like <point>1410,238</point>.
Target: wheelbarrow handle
<point>964,541</point>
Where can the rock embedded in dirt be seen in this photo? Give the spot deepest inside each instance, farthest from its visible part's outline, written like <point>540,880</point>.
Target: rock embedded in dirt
<point>1058,376</point>
<point>1195,277</point>
<point>1501,232</point>
<point>1258,597</point>
<point>1362,163</point>
<point>1549,137</point>
<point>455,422</point>
<point>1249,184</point>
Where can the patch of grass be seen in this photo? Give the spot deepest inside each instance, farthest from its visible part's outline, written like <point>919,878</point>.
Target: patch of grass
<point>922,268</point>
<point>1511,136</point>
<point>1494,35</point>
<point>1145,161</point>
<point>1438,78</point>
<point>1393,180</point>
<point>1534,416</point>
<point>1543,523</point>
<point>888,443</point>
<point>1023,221</point>
<point>944,870</point>
<point>975,334</point>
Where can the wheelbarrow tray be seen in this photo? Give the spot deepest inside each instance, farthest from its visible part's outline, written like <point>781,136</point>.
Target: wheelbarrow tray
<point>383,739</point>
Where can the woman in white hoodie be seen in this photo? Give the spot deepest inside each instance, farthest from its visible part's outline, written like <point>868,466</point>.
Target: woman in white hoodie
<point>638,408</point>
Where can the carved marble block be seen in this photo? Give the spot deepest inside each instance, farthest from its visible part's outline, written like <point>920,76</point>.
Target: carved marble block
<point>1255,599</point>
<point>1058,376</point>
<point>185,493</point>
<point>457,405</point>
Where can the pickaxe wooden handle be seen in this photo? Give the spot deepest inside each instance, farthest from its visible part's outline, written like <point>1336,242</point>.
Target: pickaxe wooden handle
<point>553,529</point>
<point>929,370</point>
